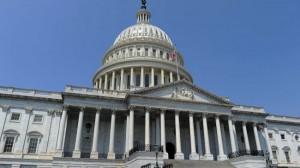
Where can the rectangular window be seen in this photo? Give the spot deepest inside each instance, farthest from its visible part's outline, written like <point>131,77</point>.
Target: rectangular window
<point>168,56</point>
<point>146,52</point>
<point>32,145</point>
<point>130,53</point>
<point>9,142</point>
<point>161,54</point>
<point>146,80</point>
<point>274,154</point>
<point>128,82</point>
<point>155,80</point>
<point>282,136</point>
<point>138,52</point>
<point>38,119</point>
<point>271,135</point>
<point>15,117</point>
<point>154,53</point>
<point>115,86</point>
<point>287,156</point>
<point>137,80</point>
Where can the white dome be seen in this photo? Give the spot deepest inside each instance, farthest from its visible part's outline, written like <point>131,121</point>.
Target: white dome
<point>143,30</point>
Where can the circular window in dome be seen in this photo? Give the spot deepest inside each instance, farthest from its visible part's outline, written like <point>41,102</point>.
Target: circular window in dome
<point>298,148</point>
<point>297,137</point>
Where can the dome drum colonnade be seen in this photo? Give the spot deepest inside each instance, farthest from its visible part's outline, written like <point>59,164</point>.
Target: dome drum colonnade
<point>160,132</point>
<point>140,57</point>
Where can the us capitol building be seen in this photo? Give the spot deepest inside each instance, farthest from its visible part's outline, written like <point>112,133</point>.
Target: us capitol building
<point>143,103</point>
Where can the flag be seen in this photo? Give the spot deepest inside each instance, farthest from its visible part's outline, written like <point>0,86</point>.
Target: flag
<point>173,55</point>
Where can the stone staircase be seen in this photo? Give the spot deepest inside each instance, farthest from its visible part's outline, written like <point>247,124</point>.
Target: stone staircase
<point>199,164</point>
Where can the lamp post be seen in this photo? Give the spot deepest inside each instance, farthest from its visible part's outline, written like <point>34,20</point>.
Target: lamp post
<point>156,149</point>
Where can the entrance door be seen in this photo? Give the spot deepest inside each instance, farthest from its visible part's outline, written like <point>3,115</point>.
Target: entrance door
<point>171,150</point>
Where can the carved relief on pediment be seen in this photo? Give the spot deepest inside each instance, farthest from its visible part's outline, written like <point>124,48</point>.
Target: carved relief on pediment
<point>183,93</point>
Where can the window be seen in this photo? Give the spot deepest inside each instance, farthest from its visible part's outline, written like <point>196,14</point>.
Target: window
<point>128,81</point>
<point>271,135</point>
<point>32,145</point>
<point>274,152</point>
<point>155,80</point>
<point>287,156</point>
<point>38,119</point>
<point>168,56</point>
<point>8,146</point>
<point>146,80</point>
<point>123,53</point>
<point>161,54</point>
<point>130,53</point>
<point>146,52</point>
<point>137,80</point>
<point>138,52</point>
<point>108,85</point>
<point>154,53</point>
<point>282,136</point>
<point>298,148</point>
<point>297,137</point>
<point>15,117</point>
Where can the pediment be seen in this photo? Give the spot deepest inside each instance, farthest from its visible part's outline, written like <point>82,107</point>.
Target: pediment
<point>181,90</point>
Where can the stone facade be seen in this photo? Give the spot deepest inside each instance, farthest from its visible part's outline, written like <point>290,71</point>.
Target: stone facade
<point>141,97</point>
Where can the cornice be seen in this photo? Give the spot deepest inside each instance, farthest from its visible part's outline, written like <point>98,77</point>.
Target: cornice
<point>250,113</point>
<point>26,97</point>
<point>105,97</point>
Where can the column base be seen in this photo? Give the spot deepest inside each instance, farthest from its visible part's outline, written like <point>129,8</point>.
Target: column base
<point>76,154</point>
<point>58,153</point>
<point>111,155</point>
<point>179,156</point>
<point>94,155</point>
<point>165,155</point>
<point>194,156</point>
<point>222,157</point>
<point>208,157</point>
<point>201,157</point>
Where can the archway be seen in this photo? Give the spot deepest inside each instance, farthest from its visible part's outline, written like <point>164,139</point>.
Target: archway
<point>171,150</point>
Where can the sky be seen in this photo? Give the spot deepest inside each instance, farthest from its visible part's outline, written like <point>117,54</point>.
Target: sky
<point>246,50</point>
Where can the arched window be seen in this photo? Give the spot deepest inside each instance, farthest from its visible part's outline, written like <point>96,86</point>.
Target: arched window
<point>154,52</point>
<point>146,80</point>
<point>10,137</point>
<point>130,52</point>
<point>138,52</point>
<point>161,54</point>
<point>34,139</point>
<point>168,56</point>
<point>137,80</point>
<point>128,81</point>
<point>146,51</point>
<point>274,151</point>
<point>155,80</point>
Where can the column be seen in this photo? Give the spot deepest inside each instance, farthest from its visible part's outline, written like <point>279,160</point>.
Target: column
<point>258,147</point>
<point>61,129</point>
<point>131,128</point>
<point>105,82</point>
<point>113,81</point>
<point>162,74</point>
<point>246,139</point>
<point>266,132</point>
<point>131,78</point>
<point>122,80</point>
<point>142,77</point>
<point>208,155</point>
<point>199,141</point>
<point>157,131</point>
<point>152,77</point>
<point>147,129</point>
<point>100,83</point>
<point>235,136</point>
<point>94,153</point>
<point>171,76</point>
<point>97,84</point>
<point>221,155</point>
<point>179,155</point>
<point>77,152</point>
<point>193,155</point>
<point>127,135</point>
<point>163,133</point>
<point>232,139</point>
<point>111,151</point>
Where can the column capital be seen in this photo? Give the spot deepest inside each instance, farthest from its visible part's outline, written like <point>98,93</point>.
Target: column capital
<point>191,113</point>
<point>65,107</point>
<point>51,112</point>
<point>244,123</point>
<point>254,123</point>
<point>82,108</point>
<point>114,110</point>
<point>177,111</point>
<point>131,107</point>
<point>233,121</point>
<point>230,116</point>
<point>217,116</point>
<point>147,108</point>
<point>58,113</point>
<point>98,109</point>
<point>5,108</point>
<point>28,109</point>
<point>162,110</point>
<point>204,115</point>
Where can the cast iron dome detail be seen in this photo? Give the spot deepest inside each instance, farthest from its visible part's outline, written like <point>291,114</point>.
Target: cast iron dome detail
<point>140,57</point>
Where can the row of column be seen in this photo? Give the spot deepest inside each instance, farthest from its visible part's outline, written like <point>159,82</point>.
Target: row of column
<point>98,83</point>
<point>179,155</point>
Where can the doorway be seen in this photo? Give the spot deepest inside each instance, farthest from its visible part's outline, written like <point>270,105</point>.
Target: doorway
<point>170,149</point>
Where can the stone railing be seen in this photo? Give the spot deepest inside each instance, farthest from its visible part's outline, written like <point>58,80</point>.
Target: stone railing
<point>30,92</point>
<point>245,153</point>
<point>93,91</point>
<point>249,109</point>
<point>142,147</point>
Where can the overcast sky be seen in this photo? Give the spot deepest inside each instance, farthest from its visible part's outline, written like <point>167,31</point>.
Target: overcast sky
<point>247,50</point>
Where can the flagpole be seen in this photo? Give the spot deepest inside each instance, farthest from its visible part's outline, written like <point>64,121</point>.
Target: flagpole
<point>175,50</point>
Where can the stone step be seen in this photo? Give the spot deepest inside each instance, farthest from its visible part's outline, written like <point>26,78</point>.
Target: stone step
<point>199,163</point>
